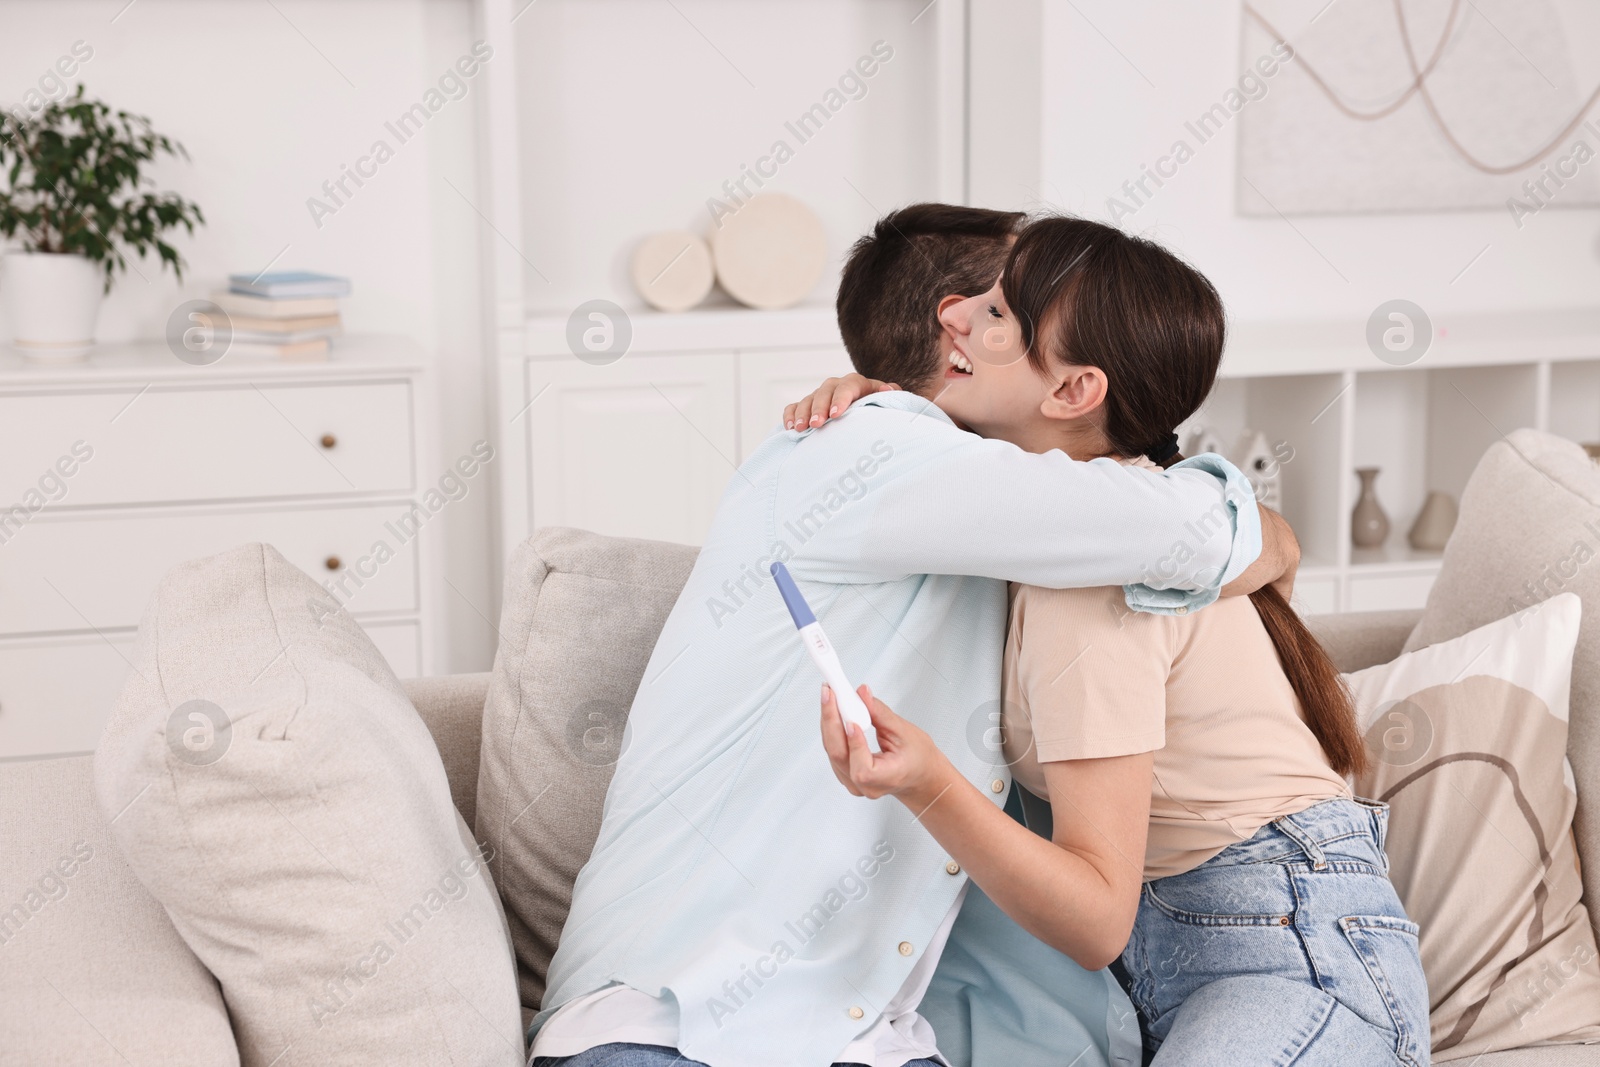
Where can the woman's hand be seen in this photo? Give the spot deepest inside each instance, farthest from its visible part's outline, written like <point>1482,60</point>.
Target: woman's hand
<point>831,399</point>
<point>910,767</point>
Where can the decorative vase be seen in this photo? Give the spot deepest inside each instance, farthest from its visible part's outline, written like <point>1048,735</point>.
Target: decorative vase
<point>1434,523</point>
<point>1369,526</point>
<point>51,303</point>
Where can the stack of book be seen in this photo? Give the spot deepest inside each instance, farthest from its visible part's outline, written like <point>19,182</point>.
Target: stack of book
<point>287,315</point>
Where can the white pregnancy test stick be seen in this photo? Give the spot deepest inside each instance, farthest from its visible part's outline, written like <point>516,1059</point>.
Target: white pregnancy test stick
<point>851,709</point>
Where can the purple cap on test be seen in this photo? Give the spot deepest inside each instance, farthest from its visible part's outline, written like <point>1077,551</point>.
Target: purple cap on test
<point>799,610</point>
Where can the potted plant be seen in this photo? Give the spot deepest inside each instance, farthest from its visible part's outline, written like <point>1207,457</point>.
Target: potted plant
<point>75,193</point>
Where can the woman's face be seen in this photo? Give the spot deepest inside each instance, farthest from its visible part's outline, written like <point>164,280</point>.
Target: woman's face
<point>989,385</point>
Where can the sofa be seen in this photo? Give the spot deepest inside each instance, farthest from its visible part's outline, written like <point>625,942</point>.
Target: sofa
<point>105,1006</point>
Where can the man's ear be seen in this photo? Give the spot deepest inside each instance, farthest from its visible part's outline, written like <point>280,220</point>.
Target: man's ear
<point>1081,392</point>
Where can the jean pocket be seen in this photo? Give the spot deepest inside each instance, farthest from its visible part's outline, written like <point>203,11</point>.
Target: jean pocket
<point>1251,895</point>
<point>1387,948</point>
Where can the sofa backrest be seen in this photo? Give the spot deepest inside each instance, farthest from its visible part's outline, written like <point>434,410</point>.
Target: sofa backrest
<point>1357,640</point>
<point>452,707</point>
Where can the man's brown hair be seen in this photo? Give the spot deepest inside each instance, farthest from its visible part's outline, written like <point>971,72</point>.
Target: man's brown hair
<point>896,275</point>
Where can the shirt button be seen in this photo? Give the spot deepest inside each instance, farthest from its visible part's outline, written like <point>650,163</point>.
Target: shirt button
<point>952,867</point>
<point>1181,610</point>
<point>906,949</point>
<point>996,786</point>
<point>857,1013</point>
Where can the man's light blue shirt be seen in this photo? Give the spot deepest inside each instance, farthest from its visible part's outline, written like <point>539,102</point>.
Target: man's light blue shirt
<point>732,871</point>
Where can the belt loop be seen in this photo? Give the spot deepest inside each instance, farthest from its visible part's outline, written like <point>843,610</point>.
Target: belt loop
<point>1293,832</point>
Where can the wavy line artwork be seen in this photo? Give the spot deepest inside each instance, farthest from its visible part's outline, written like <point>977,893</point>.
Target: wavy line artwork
<point>1418,105</point>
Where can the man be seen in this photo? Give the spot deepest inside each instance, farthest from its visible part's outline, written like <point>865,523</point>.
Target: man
<point>739,910</point>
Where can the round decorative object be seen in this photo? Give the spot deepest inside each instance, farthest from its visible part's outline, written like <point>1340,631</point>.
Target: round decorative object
<point>770,252</point>
<point>672,270</point>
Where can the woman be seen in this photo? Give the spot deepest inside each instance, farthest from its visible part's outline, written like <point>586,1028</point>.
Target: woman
<point>1195,764</point>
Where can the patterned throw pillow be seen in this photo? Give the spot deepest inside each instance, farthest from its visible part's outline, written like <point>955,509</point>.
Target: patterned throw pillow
<point>1469,739</point>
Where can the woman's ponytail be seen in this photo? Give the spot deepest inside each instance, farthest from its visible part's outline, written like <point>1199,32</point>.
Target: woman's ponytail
<point>1324,698</point>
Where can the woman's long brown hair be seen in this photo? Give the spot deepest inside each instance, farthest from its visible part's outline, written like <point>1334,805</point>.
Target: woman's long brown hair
<point>1087,294</point>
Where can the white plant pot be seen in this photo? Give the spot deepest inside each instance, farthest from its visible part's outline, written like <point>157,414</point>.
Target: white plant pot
<point>51,303</point>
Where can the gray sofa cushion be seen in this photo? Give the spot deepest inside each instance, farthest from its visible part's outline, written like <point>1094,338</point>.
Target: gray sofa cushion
<point>1529,529</point>
<point>581,617</point>
<point>278,794</point>
<point>91,970</point>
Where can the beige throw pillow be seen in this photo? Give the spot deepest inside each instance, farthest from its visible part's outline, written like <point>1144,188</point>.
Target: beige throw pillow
<point>278,794</point>
<point>581,618</point>
<point>1468,741</point>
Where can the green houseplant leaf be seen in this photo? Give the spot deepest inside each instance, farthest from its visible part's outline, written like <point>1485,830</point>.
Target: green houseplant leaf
<point>74,183</point>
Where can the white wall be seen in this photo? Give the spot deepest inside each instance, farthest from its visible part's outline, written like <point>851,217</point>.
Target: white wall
<point>1004,56</point>
<point>634,112</point>
<point>1105,114</point>
<point>270,100</point>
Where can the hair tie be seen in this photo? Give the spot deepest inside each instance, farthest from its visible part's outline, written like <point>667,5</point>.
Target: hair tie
<point>1165,450</point>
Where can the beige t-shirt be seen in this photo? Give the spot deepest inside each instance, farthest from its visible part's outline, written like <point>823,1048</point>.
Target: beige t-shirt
<point>1087,678</point>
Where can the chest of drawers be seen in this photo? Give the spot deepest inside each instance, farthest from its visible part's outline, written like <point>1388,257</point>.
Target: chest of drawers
<point>114,470</point>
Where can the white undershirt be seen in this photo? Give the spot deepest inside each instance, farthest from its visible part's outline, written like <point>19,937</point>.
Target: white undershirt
<point>621,1013</point>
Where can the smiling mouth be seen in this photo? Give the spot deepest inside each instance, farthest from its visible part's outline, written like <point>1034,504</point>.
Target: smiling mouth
<point>960,365</point>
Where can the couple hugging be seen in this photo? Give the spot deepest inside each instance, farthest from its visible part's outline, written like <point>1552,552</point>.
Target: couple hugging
<point>1193,874</point>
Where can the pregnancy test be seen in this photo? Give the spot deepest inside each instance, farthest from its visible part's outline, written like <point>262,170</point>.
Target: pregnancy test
<point>851,709</point>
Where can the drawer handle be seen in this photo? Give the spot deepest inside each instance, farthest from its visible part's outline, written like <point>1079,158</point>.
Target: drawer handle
<point>332,563</point>
<point>328,440</point>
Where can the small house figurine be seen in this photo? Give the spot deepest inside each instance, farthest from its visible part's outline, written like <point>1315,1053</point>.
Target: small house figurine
<point>1260,463</point>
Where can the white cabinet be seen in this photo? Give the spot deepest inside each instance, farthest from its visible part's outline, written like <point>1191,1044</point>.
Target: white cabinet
<point>114,470</point>
<point>768,380</point>
<point>58,571</point>
<point>645,446</point>
<point>179,442</point>
<point>639,448</point>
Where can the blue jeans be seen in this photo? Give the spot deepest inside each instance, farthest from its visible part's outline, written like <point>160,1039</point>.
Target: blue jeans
<point>1288,948</point>
<point>622,1055</point>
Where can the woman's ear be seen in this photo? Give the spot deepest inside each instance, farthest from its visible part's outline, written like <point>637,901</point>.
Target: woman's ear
<point>1081,392</point>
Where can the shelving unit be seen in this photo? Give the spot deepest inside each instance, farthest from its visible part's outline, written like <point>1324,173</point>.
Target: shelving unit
<point>1317,386</point>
